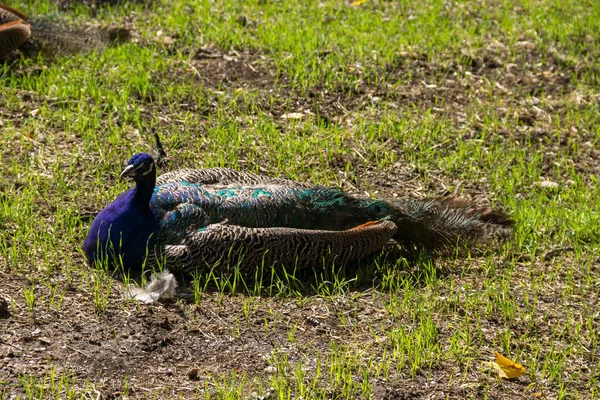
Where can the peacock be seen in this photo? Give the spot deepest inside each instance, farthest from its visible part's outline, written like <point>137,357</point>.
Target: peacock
<point>193,219</point>
<point>31,36</point>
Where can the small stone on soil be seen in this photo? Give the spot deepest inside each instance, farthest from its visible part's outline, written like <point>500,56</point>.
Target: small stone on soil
<point>270,369</point>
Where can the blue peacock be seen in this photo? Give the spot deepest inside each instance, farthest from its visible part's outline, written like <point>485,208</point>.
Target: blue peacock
<point>192,219</point>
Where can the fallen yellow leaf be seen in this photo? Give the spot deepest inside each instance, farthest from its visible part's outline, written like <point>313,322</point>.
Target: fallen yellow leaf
<point>506,368</point>
<point>358,2</point>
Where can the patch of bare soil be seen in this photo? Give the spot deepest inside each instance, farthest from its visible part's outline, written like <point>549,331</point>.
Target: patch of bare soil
<point>175,348</point>
<point>447,84</point>
<point>221,71</point>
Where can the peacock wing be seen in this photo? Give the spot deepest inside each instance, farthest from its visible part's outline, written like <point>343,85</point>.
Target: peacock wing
<point>8,14</point>
<point>223,246</point>
<point>225,177</point>
<point>179,209</point>
<point>12,35</point>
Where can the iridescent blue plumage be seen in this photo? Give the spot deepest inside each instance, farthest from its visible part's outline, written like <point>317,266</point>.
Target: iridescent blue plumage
<point>196,218</point>
<point>125,230</point>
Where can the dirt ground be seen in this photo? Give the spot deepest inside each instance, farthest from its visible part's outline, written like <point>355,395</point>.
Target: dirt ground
<point>181,345</point>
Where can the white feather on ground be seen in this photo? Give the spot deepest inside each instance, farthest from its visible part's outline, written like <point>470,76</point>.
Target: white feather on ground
<point>161,286</point>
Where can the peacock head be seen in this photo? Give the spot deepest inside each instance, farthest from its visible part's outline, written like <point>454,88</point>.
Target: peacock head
<point>140,167</point>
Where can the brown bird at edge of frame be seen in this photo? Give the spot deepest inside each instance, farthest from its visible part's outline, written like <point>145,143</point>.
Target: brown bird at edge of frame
<point>32,36</point>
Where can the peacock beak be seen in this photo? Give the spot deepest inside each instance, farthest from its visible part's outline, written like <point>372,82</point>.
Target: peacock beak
<point>128,171</point>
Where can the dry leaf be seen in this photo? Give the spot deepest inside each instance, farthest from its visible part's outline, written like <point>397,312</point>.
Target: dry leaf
<point>292,115</point>
<point>506,368</point>
<point>547,184</point>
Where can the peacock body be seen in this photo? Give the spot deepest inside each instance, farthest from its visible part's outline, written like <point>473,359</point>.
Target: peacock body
<point>193,219</point>
<point>32,36</point>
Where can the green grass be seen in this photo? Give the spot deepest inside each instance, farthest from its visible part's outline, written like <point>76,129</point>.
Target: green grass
<point>395,101</point>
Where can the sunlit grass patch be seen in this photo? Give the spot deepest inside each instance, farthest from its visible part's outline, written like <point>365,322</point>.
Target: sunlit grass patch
<point>494,102</point>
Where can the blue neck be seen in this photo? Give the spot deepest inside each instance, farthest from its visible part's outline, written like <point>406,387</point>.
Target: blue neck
<point>142,192</point>
<point>127,225</point>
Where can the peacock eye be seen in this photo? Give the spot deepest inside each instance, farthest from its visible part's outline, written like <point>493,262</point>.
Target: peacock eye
<point>145,169</point>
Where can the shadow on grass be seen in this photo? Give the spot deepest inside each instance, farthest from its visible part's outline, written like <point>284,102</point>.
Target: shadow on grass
<point>393,269</point>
